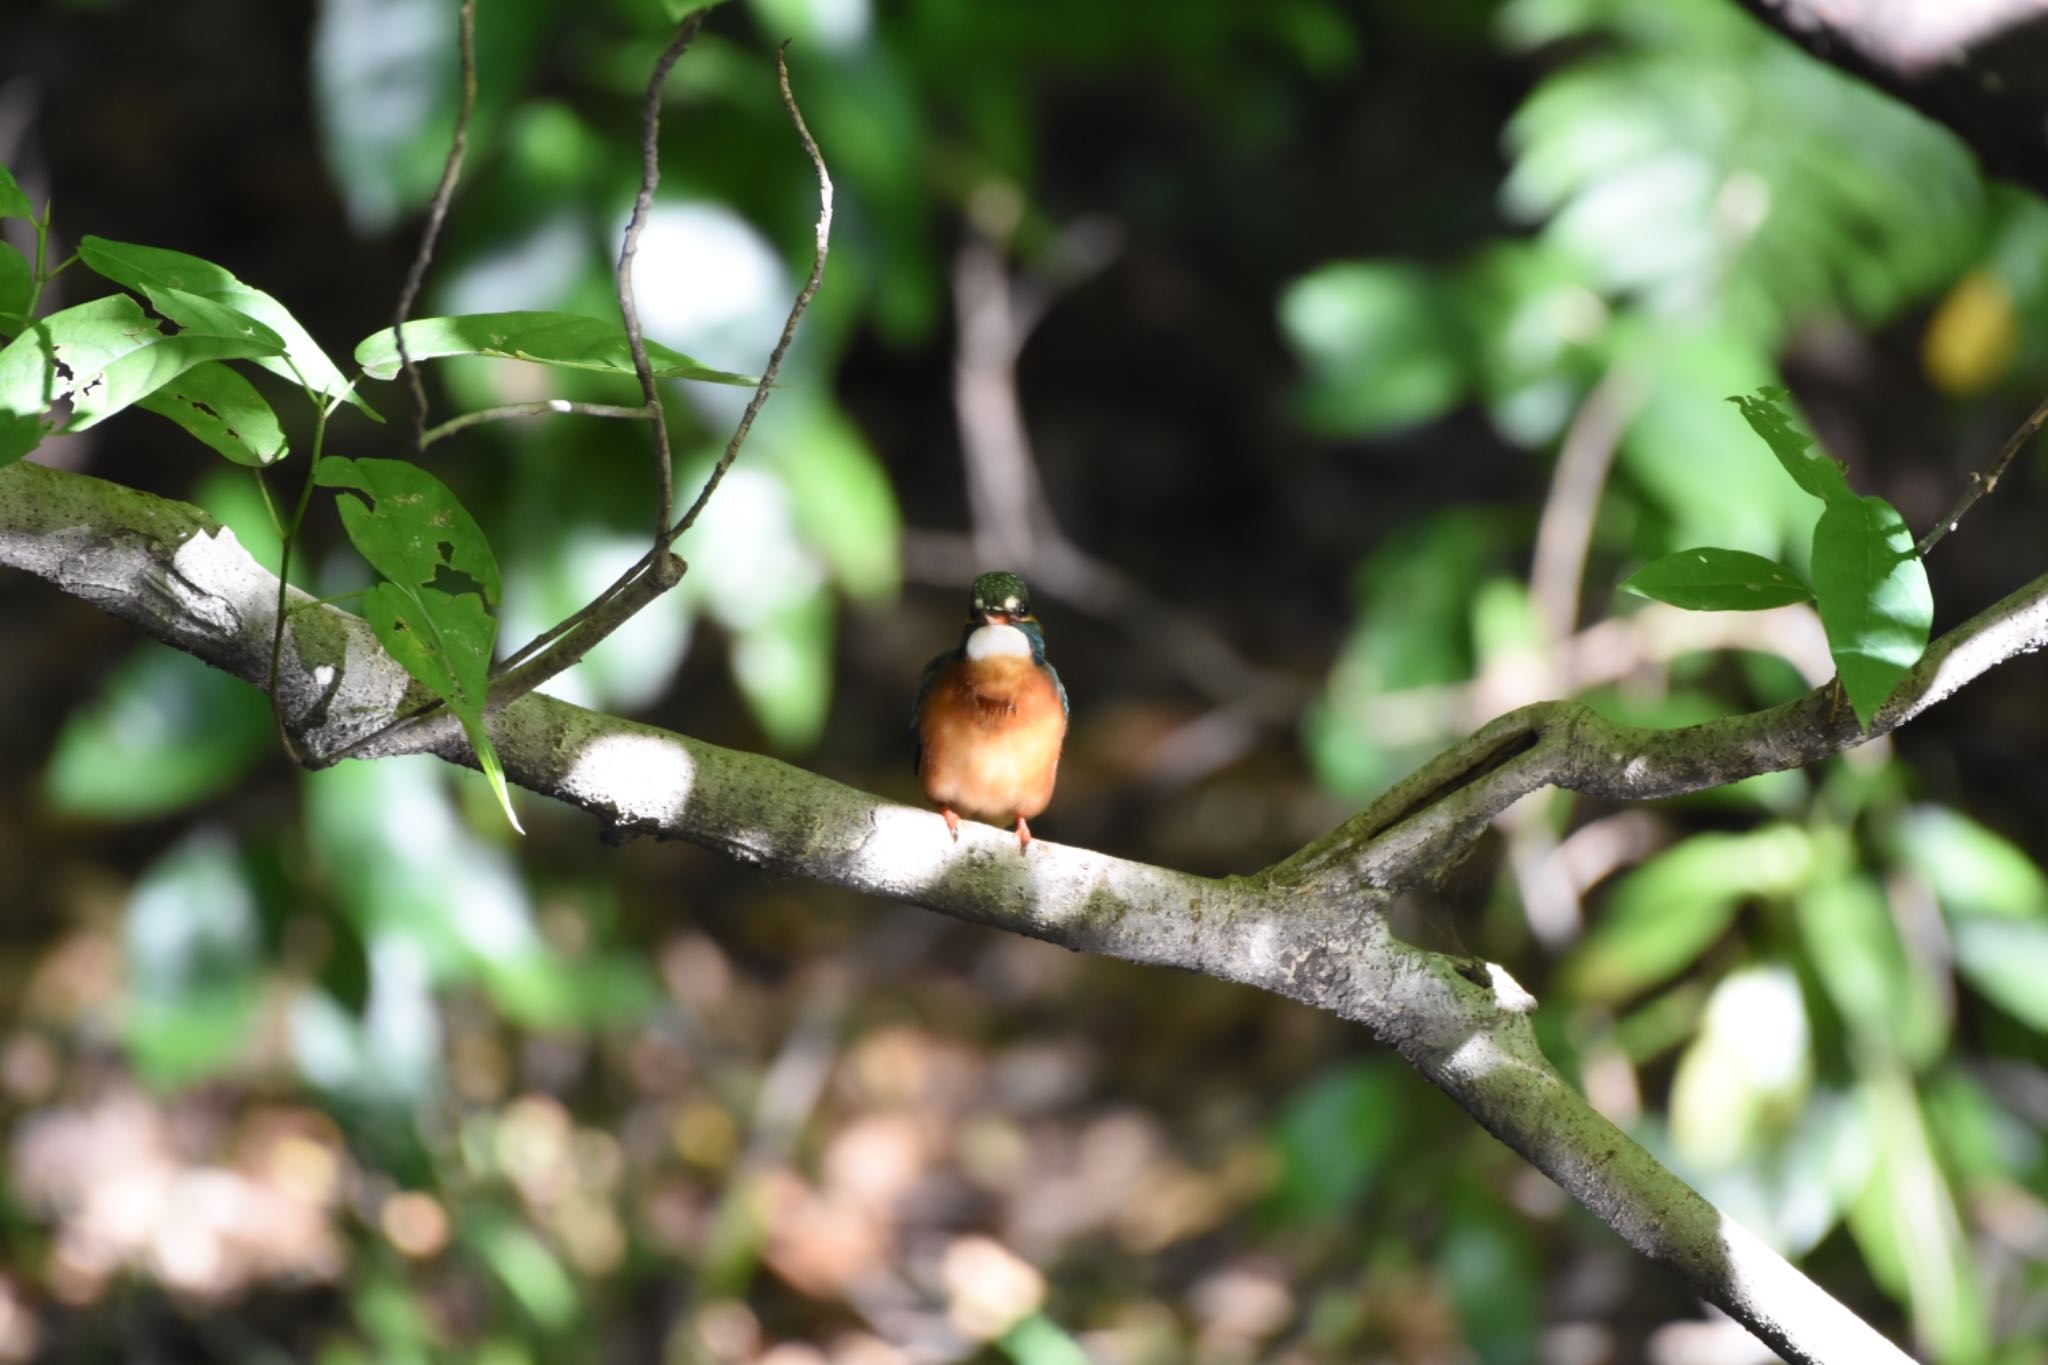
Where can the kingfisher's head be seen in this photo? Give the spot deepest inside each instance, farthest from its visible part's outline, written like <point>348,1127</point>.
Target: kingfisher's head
<point>999,599</point>
<point>999,620</point>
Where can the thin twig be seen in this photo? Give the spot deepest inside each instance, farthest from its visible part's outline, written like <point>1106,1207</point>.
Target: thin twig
<point>437,213</point>
<point>1980,484</point>
<point>579,634</point>
<point>569,640</point>
<point>539,409</point>
<point>650,176</point>
<point>823,233</point>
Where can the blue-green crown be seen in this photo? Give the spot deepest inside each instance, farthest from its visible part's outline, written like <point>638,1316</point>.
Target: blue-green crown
<point>1003,592</point>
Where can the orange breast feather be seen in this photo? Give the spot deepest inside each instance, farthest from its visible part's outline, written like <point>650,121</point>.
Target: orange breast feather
<point>991,731</point>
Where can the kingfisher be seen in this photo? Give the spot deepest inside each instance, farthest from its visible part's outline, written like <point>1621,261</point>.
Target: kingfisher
<point>991,714</point>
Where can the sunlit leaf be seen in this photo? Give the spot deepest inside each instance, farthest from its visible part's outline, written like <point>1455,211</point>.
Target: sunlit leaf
<point>1811,469</point>
<point>1873,596</point>
<point>2007,961</point>
<point>1747,1074</point>
<point>1664,913</point>
<point>102,356</point>
<point>164,732</point>
<point>154,270</point>
<point>1974,871</point>
<point>564,339</point>
<point>1711,579</point>
<point>224,410</point>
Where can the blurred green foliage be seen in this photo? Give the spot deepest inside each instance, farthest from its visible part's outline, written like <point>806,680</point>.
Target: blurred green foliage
<point>510,1101</point>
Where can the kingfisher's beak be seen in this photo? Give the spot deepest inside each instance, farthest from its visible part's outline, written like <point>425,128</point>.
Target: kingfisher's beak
<point>997,618</point>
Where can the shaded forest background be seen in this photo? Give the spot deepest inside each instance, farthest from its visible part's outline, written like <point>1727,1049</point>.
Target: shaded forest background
<point>333,1067</point>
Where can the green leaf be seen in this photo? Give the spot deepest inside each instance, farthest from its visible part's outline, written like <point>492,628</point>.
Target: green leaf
<point>224,410</point>
<point>565,339</point>
<point>1747,1075</point>
<point>19,434</point>
<point>1037,1340</point>
<point>1888,997</point>
<point>1382,342</point>
<point>17,288</point>
<point>196,313</point>
<point>1974,870</point>
<point>1664,913</point>
<point>191,944</point>
<point>165,731</point>
<point>1810,469</point>
<point>842,502</point>
<point>783,665</point>
<point>410,528</point>
<point>414,532</point>
<point>2006,960</point>
<point>1712,579</point>
<point>151,270</point>
<point>1906,1224</point>
<point>13,203</point>
<point>1334,1138</point>
<point>103,356</point>
<point>444,641</point>
<point>1873,596</point>
<point>527,1269</point>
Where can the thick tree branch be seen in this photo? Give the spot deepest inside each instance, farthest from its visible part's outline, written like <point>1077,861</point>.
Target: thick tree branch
<point>1312,929</point>
<point>1978,66</point>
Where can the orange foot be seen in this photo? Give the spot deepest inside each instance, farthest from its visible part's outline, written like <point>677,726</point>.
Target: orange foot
<point>952,822</point>
<point>1023,836</point>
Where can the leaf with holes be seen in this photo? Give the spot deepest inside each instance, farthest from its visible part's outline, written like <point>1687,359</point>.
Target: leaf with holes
<point>224,410</point>
<point>151,270</point>
<point>409,526</point>
<point>1873,596</point>
<point>1713,579</point>
<point>563,339</point>
<point>433,615</point>
<point>1810,469</point>
<point>102,356</point>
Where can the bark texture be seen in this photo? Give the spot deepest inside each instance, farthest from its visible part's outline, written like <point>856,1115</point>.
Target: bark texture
<point>1311,928</point>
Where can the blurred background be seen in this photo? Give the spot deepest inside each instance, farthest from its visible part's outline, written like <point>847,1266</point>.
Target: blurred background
<point>1325,367</point>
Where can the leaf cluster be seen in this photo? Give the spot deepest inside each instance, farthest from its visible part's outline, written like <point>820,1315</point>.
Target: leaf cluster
<point>1869,583</point>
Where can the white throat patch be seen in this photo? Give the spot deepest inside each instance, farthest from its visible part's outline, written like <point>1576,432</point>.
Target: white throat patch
<point>998,642</point>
